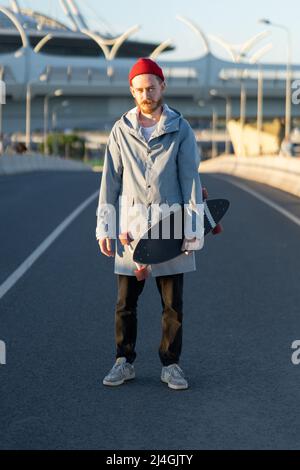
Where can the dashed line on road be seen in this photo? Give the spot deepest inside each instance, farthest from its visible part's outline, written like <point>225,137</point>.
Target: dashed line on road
<point>25,266</point>
<point>264,199</point>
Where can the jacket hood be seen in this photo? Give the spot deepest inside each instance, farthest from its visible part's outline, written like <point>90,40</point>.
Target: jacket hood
<point>169,122</point>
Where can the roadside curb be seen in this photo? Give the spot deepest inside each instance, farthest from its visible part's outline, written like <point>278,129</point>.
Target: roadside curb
<point>11,164</point>
<point>280,172</point>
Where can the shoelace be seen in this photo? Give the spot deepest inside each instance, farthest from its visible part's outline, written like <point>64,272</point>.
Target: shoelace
<point>176,371</point>
<point>119,365</point>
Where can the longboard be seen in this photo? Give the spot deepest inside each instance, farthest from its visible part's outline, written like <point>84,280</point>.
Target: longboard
<point>153,248</point>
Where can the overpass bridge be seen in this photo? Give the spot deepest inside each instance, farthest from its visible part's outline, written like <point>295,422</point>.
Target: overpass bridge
<point>97,98</point>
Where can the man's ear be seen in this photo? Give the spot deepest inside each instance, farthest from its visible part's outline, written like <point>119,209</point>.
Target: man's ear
<point>132,91</point>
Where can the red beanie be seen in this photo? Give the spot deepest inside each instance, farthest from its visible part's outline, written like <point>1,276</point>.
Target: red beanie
<point>145,66</point>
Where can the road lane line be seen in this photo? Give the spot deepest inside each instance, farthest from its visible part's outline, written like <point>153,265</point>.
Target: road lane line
<point>264,199</point>
<point>24,267</point>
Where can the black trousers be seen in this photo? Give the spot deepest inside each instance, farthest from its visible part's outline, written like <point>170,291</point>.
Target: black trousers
<point>171,293</point>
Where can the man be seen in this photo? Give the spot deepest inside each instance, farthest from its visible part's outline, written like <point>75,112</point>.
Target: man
<point>151,158</point>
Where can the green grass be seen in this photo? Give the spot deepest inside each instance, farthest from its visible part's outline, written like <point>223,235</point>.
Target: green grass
<point>95,162</point>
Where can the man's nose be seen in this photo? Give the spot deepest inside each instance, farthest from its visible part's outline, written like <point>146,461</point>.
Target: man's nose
<point>145,95</point>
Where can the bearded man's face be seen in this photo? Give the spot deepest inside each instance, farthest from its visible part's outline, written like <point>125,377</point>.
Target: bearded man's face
<point>147,90</point>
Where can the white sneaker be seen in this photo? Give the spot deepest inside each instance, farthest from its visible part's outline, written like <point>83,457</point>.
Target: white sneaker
<point>120,372</point>
<point>173,376</point>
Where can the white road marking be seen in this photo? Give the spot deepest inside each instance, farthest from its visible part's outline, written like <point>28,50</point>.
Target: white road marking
<point>264,199</point>
<point>23,268</point>
<point>2,353</point>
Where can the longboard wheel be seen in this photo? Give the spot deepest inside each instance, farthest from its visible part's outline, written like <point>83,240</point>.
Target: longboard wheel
<point>125,238</point>
<point>141,273</point>
<point>218,229</point>
<point>204,193</point>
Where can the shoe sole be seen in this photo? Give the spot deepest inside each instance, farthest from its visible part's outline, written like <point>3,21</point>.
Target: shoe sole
<point>120,382</point>
<point>175,387</point>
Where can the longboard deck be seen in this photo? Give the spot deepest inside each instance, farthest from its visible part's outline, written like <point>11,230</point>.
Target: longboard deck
<point>153,248</point>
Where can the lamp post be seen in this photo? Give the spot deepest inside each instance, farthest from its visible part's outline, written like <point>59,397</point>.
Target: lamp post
<point>255,59</point>
<point>64,104</point>
<point>215,93</point>
<point>260,90</point>
<point>28,116</point>
<point>58,92</point>
<point>1,117</point>
<point>288,91</point>
<point>28,111</point>
<point>214,121</point>
<point>243,100</point>
<point>214,147</point>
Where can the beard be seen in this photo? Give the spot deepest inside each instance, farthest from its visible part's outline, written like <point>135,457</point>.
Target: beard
<point>149,106</point>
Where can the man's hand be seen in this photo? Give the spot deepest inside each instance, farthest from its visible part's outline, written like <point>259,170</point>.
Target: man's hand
<point>191,244</point>
<point>125,238</point>
<point>106,246</point>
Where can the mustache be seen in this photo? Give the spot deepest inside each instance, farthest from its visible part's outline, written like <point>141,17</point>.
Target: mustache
<point>154,104</point>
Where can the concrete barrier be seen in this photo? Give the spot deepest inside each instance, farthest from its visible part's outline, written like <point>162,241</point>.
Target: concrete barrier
<point>280,172</point>
<point>11,164</point>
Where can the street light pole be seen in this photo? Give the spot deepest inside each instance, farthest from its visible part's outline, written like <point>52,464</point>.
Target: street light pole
<point>288,101</point>
<point>46,114</point>
<point>243,101</point>
<point>28,112</point>
<point>288,91</point>
<point>1,113</point>
<point>255,59</point>
<point>64,104</point>
<point>260,82</point>
<point>28,116</point>
<point>228,118</point>
<point>214,147</point>
<point>228,112</point>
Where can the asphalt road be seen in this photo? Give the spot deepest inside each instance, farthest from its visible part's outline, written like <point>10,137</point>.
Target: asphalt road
<point>241,315</point>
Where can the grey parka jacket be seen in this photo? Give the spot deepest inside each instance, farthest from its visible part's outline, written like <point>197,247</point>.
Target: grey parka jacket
<point>163,170</point>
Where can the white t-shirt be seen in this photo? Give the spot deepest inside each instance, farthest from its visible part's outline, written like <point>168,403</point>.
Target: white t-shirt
<point>147,131</point>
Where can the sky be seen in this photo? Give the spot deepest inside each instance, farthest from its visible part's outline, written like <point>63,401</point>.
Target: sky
<point>231,20</point>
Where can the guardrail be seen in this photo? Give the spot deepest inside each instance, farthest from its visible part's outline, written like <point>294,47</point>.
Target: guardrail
<point>10,164</point>
<point>280,172</point>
